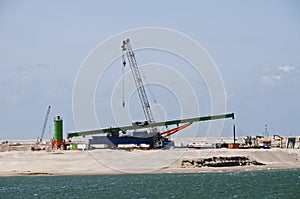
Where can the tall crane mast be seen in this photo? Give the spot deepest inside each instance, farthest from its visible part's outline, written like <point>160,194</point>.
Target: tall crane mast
<point>45,123</point>
<point>127,51</point>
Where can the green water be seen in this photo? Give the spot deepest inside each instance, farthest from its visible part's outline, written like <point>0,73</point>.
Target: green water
<point>254,184</point>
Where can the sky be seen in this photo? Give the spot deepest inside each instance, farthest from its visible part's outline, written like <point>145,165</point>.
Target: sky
<point>255,45</point>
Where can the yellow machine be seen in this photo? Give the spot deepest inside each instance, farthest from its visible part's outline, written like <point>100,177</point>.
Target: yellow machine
<point>278,137</point>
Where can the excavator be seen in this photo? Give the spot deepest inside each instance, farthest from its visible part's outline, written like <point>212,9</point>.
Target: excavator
<point>152,136</point>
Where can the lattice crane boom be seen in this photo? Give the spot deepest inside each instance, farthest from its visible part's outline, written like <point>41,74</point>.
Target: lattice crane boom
<point>45,123</point>
<point>129,53</point>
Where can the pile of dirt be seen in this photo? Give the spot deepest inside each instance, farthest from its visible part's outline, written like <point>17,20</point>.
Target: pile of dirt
<point>219,162</point>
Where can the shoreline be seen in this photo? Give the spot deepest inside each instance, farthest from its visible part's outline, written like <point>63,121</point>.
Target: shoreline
<point>192,171</point>
<point>106,161</point>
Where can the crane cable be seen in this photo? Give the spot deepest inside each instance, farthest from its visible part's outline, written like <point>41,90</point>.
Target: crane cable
<point>154,99</point>
<point>123,87</point>
<point>123,80</point>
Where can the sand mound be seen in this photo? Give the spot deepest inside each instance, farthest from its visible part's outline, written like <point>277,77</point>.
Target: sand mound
<point>137,161</point>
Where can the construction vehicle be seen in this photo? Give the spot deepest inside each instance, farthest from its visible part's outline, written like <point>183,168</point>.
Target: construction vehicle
<point>278,137</point>
<point>152,137</point>
<point>262,142</point>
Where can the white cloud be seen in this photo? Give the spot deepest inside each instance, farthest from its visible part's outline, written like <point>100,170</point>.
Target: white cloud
<point>278,75</point>
<point>270,79</point>
<point>286,69</point>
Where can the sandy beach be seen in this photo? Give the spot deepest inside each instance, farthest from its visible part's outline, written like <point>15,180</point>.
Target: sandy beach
<point>107,161</point>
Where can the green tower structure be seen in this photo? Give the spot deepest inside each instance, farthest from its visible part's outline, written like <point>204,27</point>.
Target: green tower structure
<point>58,128</point>
<point>58,141</point>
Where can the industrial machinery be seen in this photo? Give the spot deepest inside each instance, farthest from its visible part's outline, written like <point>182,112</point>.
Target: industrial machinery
<point>152,137</point>
<point>249,141</point>
<point>291,142</point>
<point>40,139</point>
<point>257,141</point>
<point>267,141</point>
<point>262,142</point>
<point>129,53</point>
<point>58,142</point>
<point>278,137</point>
<point>158,140</point>
<point>39,145</point>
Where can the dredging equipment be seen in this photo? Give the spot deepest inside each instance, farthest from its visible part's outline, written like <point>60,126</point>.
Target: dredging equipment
<point>158,140</point>
<point>152,136</point>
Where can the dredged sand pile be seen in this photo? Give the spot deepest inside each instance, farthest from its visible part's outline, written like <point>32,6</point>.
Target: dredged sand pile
<point>106,161</point>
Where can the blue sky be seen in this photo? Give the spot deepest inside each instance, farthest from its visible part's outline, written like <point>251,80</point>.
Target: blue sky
<point>255,44</point>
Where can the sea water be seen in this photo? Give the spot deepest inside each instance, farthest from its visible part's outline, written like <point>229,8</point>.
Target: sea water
<point>247,184</point>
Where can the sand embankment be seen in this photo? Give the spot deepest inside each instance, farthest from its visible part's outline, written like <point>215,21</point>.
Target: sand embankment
<point>108,161</point>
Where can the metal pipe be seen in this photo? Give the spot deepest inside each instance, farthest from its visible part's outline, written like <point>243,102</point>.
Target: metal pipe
<point>234,134</point>
<point>167,123</point>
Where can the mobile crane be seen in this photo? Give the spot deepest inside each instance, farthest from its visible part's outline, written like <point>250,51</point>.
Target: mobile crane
<point>39,140</point>
<point>129,53</point>
<point>155,139</point>
<point>45,124</point>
